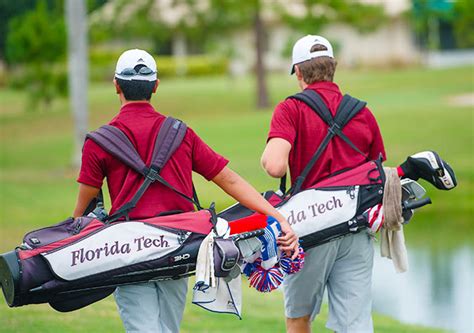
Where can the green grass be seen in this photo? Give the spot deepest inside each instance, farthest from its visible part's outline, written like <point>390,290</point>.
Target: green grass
<point>412,107</point>
<point>261,313</point>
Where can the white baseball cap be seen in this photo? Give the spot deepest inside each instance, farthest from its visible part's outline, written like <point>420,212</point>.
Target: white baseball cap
<point>127,62</point>
<point>302,50</point>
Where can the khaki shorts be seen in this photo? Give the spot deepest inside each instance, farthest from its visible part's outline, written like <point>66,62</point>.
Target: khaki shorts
<point>345,267</point>
<point>153,306</point>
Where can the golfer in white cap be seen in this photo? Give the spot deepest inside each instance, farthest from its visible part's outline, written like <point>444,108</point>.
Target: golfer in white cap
<point>344,266</point>
<point>158,306</point>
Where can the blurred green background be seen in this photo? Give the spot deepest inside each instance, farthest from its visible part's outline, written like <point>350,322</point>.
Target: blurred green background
<point>420,104</point>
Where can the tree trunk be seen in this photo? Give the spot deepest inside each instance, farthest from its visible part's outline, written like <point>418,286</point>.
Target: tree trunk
<point>259,31</point>
<point>76,19</point>
<point>180,52</point>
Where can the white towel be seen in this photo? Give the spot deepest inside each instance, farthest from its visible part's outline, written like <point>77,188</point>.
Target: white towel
<point>392,246</point>
<point>205,264</point>
<point>225,297</point>
<point>392,239</point>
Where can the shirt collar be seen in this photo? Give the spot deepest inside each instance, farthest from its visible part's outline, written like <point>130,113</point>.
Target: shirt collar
<point>325,85</point>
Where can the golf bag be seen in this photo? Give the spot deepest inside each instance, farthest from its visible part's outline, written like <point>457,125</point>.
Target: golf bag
<point>342,203</point>
<point>330,209</point>
<point>80,261</point>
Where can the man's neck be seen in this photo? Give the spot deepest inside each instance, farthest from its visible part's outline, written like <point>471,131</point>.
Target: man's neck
<point>303,85</point>
<point>128,102</point>
<point>124,101</point>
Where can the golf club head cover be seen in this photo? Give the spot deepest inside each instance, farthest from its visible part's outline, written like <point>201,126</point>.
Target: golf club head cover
<point>269,243</point>
<point>291,266</point>
<point>266,280</point>
<point>429,166</point>
<point>375,217</point>
<point>250,267</point>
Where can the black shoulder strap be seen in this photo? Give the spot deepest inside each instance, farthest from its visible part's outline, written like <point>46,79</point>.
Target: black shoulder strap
<point>347,109</point>
<point>316,103</point>
<point>169,138</point>
<point>115,142</point>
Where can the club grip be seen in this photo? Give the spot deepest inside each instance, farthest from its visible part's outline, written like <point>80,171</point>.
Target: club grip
<point>416,204</point>
<point>247,235</point>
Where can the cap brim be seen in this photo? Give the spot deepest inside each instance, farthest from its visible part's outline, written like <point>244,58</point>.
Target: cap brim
<point>292,70</point>
<point>149,78</point>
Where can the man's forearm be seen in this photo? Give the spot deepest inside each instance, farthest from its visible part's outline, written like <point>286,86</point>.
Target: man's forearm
<point>243,192</point>
<point>239,189</point>
<point>85,196</point>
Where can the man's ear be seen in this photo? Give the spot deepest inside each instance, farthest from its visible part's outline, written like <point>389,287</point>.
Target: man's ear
<point>298,73</point>
<point>118,91</point>
<point>157,83</point>
<point>299,77</point>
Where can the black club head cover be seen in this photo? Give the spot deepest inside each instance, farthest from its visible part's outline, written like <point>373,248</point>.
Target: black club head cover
<point>429,166</point>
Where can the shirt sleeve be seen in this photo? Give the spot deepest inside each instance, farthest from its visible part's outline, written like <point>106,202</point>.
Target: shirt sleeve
<point>206,161</point>
<point>283,124</point>
<point>377,146</point>
<point>92,170</point>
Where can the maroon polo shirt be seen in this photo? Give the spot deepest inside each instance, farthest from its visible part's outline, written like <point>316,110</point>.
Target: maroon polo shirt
<point>298,124</point>
<point>141,123</point>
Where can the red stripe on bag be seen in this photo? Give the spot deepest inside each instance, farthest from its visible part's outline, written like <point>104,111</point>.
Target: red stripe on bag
<point>361,175</point>
<point>250,223</point>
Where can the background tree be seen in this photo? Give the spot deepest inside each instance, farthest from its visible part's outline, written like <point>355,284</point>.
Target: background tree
<point>443,24</point>
<point>37,60</point>
<point>227,17</point>
<point>212,20</point>
<point>36,54</point>
<point>308,16</point>
<point>315,15</point>
<point>76,18</point>
<point>9,10</point>
<point>158,22</point>
<point>464,22</point>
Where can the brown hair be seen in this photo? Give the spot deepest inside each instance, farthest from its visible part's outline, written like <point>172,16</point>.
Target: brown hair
<point>318,69</point>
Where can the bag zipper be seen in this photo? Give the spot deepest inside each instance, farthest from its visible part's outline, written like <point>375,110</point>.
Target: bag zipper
<point>351,192</point>
<point>28,235</point>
